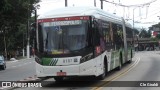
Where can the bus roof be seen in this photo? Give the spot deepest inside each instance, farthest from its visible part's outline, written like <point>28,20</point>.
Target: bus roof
<point>83,11</point>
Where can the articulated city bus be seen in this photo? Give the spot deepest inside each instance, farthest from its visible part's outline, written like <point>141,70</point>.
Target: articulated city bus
<point>81,41</point>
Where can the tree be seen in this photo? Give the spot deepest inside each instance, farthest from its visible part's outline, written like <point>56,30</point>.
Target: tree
<point>144,33</point>
<point>158,36</point>
<point>13,24</point>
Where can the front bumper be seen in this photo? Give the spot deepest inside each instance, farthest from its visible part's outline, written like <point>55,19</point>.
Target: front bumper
<point>84,69</point>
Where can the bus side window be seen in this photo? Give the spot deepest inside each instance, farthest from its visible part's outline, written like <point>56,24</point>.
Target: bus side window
<point>40,38</point>
<point>96,34</point>
<point>97,37</point>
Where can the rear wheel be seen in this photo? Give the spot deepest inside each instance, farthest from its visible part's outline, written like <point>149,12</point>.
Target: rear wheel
<point>120,62</point>
<point>131,57</point>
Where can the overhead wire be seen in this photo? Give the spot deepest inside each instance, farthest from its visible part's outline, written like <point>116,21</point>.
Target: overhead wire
<point>154,13</point>
<point>150,16</point>
<point>151,12</point>
<point>136,5</point>
<point>55,1</point>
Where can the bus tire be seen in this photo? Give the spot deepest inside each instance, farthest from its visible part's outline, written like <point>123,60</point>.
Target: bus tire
<point>120,61</point>
<point>131,57</point>
<point>103,75</point>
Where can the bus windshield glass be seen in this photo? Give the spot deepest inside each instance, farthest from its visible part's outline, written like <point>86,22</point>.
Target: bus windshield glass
<point>62,37</point>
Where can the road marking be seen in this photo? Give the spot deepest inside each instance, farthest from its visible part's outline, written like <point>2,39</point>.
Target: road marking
<point>99,87</point>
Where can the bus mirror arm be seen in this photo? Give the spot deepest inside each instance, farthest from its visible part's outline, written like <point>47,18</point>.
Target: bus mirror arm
<point>94,22</point>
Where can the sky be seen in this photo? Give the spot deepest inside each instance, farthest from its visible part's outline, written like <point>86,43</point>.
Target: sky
<point>144,16</point>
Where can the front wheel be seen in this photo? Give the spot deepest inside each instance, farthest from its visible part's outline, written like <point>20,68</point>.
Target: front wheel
<point>103,75</point>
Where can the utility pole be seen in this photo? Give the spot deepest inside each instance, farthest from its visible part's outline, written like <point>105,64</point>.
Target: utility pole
<point>23,44</point>
<point>35,28</point>
<point>133,25</point>
<point>135,37</point>
<point>5,43</point>
<point>28,46</point>
<point>66,3</point>
<point>94,3</point>
<point>101,4</point>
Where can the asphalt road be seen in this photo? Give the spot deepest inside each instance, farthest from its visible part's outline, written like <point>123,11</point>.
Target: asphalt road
<point>146,72</point>
<point>145,67</point>
<point>18,70</point>
<point>78,83</point>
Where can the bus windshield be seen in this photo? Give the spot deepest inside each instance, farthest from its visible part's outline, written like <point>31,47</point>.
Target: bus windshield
<point>64,36</point>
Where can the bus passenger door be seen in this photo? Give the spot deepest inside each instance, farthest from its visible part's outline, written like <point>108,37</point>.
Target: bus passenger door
<point>97,48</point>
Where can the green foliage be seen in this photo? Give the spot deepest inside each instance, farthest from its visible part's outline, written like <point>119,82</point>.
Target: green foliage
<point>149,33</point>
<point>13,24</point>
<point>144,33</point>
<point>154,39</point>
<point>152,28</point>
<point>136,32</point>
<point>158,36</point>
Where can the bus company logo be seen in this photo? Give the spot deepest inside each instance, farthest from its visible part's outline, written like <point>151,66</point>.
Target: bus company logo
<point>6,84</point>
<point>53,62</point>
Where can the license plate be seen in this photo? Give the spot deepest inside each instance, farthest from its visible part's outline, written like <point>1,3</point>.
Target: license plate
<point>61,73</point>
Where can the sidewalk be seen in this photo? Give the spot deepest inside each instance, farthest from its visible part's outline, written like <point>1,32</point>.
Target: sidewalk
<point>19,59</point>
<point>25,58</point>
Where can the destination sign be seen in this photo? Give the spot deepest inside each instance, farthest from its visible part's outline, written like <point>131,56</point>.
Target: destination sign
<point>63,19</point>
<point>62,23</point>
